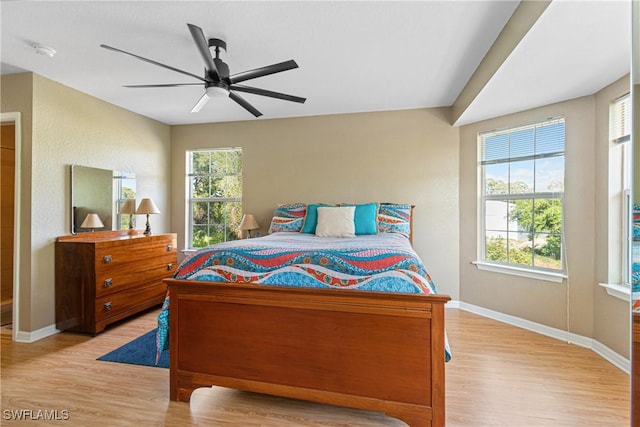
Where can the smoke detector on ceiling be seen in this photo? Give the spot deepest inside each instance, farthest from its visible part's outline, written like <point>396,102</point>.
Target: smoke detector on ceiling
<point>44,50</point>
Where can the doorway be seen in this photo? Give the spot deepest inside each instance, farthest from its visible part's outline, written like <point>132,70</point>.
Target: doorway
<point>7,214</point>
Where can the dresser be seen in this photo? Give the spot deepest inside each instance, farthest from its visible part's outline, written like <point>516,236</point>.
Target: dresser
<point>105,276</point>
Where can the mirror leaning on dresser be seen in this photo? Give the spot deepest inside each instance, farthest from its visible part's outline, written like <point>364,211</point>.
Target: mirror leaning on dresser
<point>102,192</point>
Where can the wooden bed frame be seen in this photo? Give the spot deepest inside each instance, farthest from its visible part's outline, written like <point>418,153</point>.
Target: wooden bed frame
<point>369,350</point>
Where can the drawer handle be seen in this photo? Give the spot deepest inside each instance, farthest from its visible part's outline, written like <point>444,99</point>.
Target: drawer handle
<point>170,266</point>
<point>107,259</point>
<point>108,283</point>
<point>169,248</point>
<point>107,306</point>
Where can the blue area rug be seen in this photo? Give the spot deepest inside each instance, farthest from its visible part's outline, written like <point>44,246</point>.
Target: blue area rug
<point>141,351</point>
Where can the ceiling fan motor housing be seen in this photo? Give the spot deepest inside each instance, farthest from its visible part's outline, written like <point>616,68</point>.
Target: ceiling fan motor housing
<point>220,83</point>
<point>218,43</point>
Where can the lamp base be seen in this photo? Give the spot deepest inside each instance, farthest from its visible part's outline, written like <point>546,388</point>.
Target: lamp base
<point>147,230</point>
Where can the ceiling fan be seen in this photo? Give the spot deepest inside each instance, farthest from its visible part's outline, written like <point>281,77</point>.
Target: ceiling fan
<point>216,80</point>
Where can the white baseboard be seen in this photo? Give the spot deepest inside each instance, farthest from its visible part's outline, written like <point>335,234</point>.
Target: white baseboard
<point>611,356</point>
<point>602,350</point>
<point>29,337</point>
<point>453,304</point>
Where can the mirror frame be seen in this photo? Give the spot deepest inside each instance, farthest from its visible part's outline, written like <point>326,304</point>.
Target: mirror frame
<point>116,202</point>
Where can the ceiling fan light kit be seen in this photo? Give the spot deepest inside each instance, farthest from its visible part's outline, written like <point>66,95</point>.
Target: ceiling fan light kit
<point>210,92</point>
<point>217,81</point>
<point>217,92</point>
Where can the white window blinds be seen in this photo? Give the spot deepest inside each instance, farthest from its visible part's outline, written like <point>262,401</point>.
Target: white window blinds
<point>620,119</point>
<point>538,140</point>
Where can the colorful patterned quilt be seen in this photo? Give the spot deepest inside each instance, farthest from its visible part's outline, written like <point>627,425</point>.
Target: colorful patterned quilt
<point>384,262</point>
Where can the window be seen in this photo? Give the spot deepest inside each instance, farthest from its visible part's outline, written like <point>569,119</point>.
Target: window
<point>214,180</point>
<point>620,178</point>
<point>124,189</point>
<point>522,187</point>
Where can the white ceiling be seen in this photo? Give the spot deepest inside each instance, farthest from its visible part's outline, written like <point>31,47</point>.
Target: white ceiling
<point>354,56</point>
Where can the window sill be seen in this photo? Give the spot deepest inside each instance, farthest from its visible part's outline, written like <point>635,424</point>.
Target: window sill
<point>188,251</point>
<point>617,291</point>
<point>523,272</point>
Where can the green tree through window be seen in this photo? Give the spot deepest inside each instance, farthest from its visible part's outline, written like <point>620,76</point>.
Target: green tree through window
<point>215,195</point>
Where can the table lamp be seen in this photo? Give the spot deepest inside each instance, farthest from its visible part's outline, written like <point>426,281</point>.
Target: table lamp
<point>147,207</point>
<point>248,223</point>
<point>129,208</point>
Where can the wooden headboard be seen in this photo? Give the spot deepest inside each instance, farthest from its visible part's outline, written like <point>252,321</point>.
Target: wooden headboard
<point>411,226</point>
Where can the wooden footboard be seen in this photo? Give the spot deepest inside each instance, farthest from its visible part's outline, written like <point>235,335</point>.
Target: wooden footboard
<point>368,350</point>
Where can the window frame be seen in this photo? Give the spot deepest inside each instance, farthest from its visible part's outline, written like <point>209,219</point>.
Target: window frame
<point>620,120</point>
<point>531,271</point>
<point>120,179</point>
<point>620,242</point>
<point>190,200</point>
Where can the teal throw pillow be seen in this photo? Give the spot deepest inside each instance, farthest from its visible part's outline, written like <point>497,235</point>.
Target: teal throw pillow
<point>366,219</point>
<point>311,219</point>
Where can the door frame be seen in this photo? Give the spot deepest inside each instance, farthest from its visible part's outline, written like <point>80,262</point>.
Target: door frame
<point>15,118</point>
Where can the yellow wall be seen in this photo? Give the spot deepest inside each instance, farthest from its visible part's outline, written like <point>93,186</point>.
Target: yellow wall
<point>401,156</point>
<point>62,126</point>
<point>570,305</point>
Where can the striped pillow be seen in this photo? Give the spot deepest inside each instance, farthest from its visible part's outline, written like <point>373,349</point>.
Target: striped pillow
<point>288,217</point>
<point>394,218</point>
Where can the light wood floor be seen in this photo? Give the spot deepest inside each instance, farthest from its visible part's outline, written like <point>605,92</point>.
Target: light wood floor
<point>499,376</point>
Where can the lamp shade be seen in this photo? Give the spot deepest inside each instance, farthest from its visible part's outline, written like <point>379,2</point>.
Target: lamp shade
<point>147,207</point>
<point>249,222</point>
<point>129,207</point>
<point>92,220</point>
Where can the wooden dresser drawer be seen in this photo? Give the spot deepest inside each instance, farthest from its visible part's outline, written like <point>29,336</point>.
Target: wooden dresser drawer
<point>125,275</point>
<point>122,302</point>
<point>140,250</point>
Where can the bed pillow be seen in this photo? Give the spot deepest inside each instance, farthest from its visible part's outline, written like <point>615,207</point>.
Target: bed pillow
<point>336,221</point>
<point>394,218</point>
<point>365,218</point>
<point>288,217</point>
<point>311,218</point>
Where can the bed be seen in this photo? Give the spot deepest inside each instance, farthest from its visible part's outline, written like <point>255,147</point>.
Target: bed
<point>350,321</point>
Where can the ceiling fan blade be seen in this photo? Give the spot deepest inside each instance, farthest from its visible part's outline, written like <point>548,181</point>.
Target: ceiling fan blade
<point>223,69</point>
<point>165,85</point>
<point>263,71</point>
<point>244,104</point>
<point>151,61</point>
<point>264,92</point>
<point>203,47</point>
<point>201,103</point>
